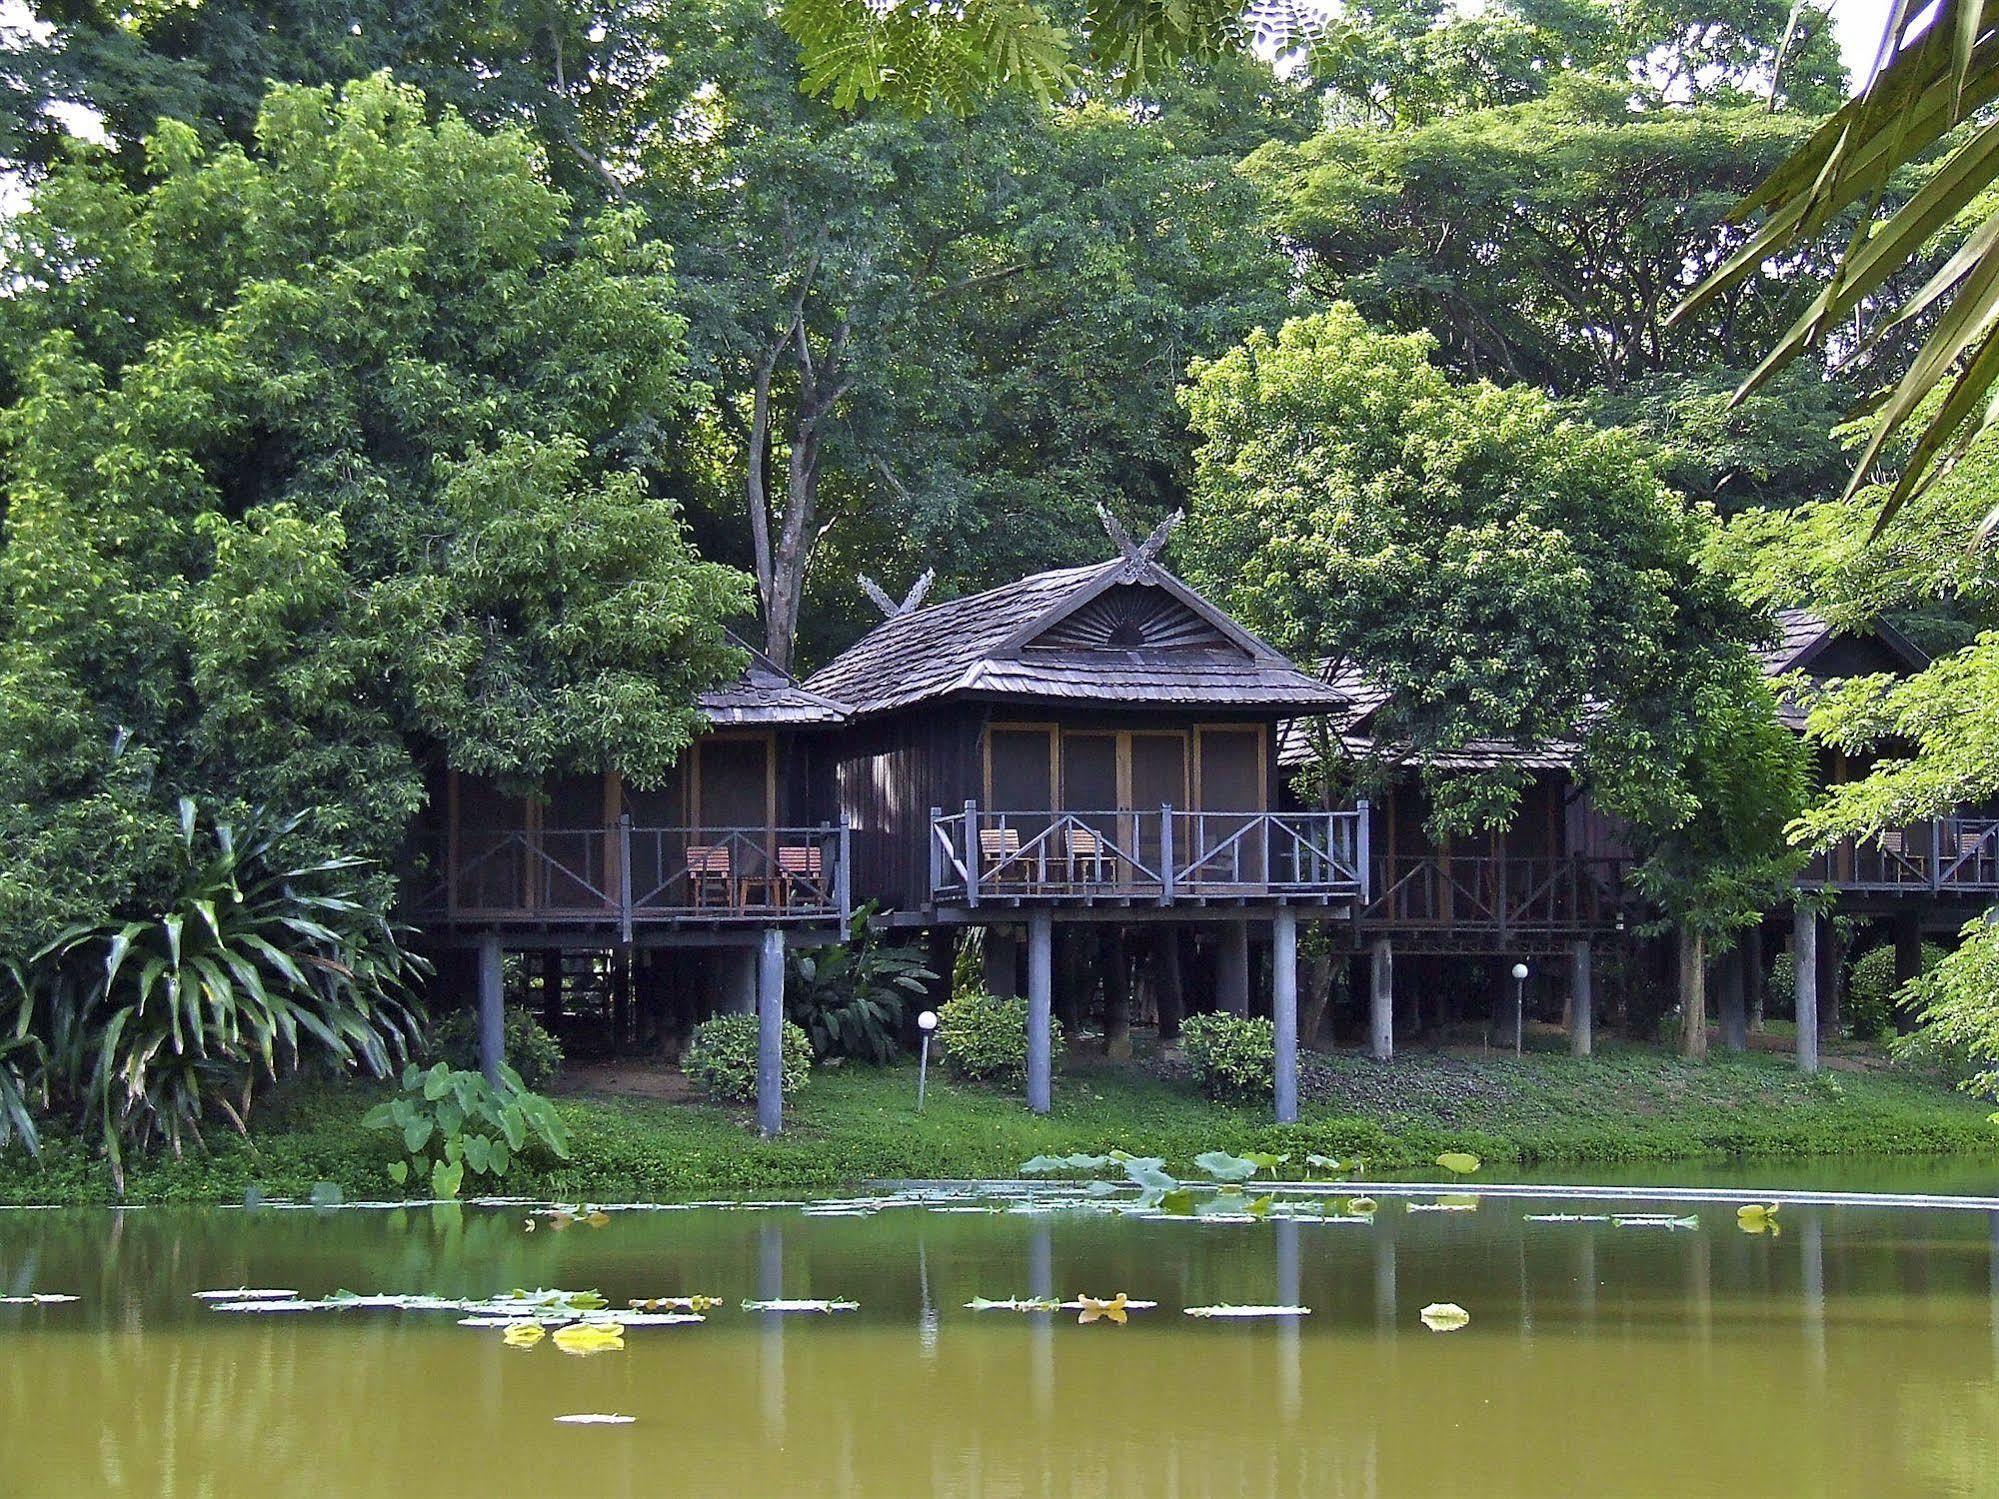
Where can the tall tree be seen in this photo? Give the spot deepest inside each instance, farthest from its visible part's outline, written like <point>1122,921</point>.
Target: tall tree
<point>320,460</point>
<point>1508,576</point>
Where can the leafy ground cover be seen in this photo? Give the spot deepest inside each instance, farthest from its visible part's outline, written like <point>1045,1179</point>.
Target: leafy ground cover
<point>857,1122</point>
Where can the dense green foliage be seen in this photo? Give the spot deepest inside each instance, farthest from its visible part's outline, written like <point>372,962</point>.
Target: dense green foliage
<point>721,1058</point>
<point>321,459</point>
<point>451,1122</point>
<point>985,1037</point>
<point>1871,998</point>
<point>850,998</point>
<point>147,1025</point>
<point>1508,575</point>
<point>1232,1057</point>
<point>855,1123</point>
<point>531,1050</point>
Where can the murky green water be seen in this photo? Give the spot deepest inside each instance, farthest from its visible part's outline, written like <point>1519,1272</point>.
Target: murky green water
<point>1857,1352</point>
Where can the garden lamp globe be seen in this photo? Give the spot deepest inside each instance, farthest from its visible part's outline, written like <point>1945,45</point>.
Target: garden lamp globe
<point>1519,1004</point>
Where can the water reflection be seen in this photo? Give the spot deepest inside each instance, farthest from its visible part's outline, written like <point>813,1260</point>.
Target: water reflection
<point>1860,1346</point>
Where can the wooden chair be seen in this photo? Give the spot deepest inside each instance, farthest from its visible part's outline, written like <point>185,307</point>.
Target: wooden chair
<point>1000,848</point>
<point>1086,855</point>
<point>802,869</point>
<point>709,873</point>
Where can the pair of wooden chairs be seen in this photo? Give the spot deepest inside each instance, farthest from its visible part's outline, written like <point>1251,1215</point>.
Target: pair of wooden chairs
<point>1082,856</point>
<point>716,883</point>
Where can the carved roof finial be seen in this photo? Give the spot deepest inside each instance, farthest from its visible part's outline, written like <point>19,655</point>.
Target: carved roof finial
<point>1138,554</point>
<point>889,607</point>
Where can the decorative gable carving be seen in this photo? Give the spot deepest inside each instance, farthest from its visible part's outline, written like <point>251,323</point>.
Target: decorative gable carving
<point>1133,618</point>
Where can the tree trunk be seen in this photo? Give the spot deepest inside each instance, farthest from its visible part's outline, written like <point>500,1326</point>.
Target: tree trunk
<point>1117,996</point>
<point>1693,995</point>
<point>1755,976</point>
<point>1317,998</point>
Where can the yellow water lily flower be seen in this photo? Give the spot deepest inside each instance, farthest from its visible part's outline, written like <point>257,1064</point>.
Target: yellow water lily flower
<point>590,1337</point>
<point>1112,1310</point>
<point>525,1335</point>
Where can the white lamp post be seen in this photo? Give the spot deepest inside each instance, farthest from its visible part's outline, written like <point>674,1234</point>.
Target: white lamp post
<point>926,1023</point>
<point>1519,1003</point>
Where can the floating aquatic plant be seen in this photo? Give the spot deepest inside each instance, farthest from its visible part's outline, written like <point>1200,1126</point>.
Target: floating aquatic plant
<point>594,1418</point>
<point>675,1304</point>
<point>523,1334</point>
<point>1248,1311</point>
<point>244,1293</point>
<point>1459,1162</point>
<point>1361,1207</point>
<point>1043,1165</point>
<point>1656,1220</point>
<point>1566,1218</point>
<point>1758,1218</point>
<point>586,1338</point>
<point>38,1298</point>
<point>783,1304</point>
<point>1013,1304</point>
<point>1444,1316</point>
<point>1109,1309</point>
<point>1225,1167</point>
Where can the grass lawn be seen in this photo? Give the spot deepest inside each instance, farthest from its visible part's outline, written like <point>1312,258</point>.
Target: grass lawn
<point>851,1123</point>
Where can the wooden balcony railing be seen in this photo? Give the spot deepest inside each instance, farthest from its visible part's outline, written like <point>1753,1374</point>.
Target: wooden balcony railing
<point>633,876</point>
<point>1526,895</point>
<point>1953,855</point>
<point>1163,855</point>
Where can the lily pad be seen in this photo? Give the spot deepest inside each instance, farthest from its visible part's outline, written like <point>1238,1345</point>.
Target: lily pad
<point>785,1304</point>
<point>1459,1162</point>
<point>1248,1311</point>
<point>595,1418</point>
<point>586,1338</point>
<point>1222,1166</point>
<point>1444,1316</point>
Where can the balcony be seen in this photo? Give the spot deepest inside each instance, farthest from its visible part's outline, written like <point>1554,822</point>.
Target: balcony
<point>627,877</point>
<point>1952,856</point>
<point>1464,898</point>
<point>1163,857</point>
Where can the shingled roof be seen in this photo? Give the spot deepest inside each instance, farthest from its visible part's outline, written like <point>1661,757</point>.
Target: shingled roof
<point>767,696</point>
<point>1179,649</point>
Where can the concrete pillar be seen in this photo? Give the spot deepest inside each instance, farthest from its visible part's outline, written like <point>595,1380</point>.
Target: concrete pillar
<point>1001,963</point>
<point>1381,1002</point>
<point>1232,969</point>
<point>1805,952</point>
<point>1732,1001</point>
<point>770,1032</point>
<point>492,1009</point>
<point>1582,999</point>
<point>1284,1009</point>
<point>739,981</point>
<point>1040,1008</point>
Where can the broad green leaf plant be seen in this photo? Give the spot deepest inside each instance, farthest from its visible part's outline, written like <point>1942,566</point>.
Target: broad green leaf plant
<point>451,1122</point>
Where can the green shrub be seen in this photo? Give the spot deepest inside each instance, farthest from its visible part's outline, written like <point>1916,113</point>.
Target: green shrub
<point>722,1058</point>
<point>1780,987</point>
<point>985,1037</point>
<point>452,1122</point>
<point>531,1050</point>
<point>1870,990</point>
<point>1234,1057</point>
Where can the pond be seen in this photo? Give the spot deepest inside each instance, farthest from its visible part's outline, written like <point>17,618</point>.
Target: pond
<point>1853,1351</point>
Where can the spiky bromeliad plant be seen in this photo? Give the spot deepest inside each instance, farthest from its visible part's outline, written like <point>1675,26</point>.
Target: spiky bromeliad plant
<point>259,962</point>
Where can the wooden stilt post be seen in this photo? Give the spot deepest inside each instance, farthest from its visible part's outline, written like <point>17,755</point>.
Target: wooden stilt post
<point>1381,1002</point>
<point>770,1032</point>
<point>1168,984</point>
<point>1582,999</point>
<point>1805,952</point>
<point>492,1009</point>
<point>1040,1008</point>
<point>1232,969</point>
<point>1284,1009</point>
